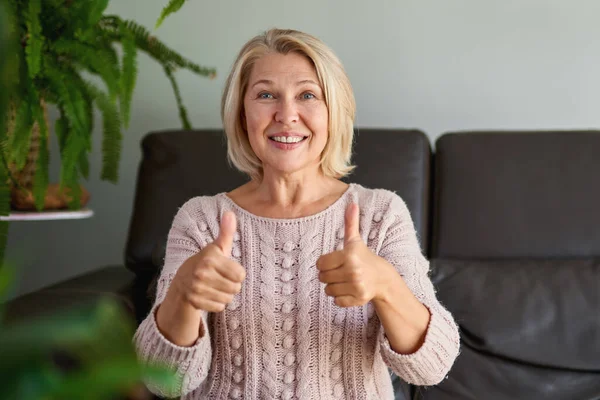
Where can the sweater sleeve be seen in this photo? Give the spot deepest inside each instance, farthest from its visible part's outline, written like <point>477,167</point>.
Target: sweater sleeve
<point>430,364</point>
<point>190,363</point>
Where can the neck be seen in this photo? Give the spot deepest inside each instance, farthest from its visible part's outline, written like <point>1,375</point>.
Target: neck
<point>292,190</point>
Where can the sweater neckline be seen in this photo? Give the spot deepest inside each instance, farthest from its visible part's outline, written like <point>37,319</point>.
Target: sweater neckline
<point>320,214</point>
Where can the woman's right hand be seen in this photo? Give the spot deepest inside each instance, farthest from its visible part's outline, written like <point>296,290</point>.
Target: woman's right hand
<point>206,281</point>
<point>209,280</point>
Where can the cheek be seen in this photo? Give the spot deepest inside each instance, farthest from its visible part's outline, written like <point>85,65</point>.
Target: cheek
<point>318,119</point>
<point>257,117</point>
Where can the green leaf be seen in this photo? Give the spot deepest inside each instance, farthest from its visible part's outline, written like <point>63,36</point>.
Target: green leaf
<point>96,60</point>
<point>41,179</point>
<point>61,126</point>
<point>109,377</point>
<point>96,337</point>
<point>145,41</point>
<point>84,165</point>
<point>82,325</point>
<point>7,65</point>
<point>112,137</point>
<point>173,6</point>
<point>7,278</point>
<point>20,138</point>
<point>182,111</point>
<point>96,10</point>
<point>35,40</point>
<point>70,98</point>
<point>69,172</point>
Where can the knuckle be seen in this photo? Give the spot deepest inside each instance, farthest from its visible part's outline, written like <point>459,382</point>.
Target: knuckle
<point>352,258</point>
<point>237,287</point>
<point>209,260</point>
<point>318,264</point>
<point>355,275</point>
<point>359,287</point>
<point>240,274</point>
<point>201,273</point>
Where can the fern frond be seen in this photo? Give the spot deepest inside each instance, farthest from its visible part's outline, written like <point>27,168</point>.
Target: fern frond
<point>41,179</point>
<point>61,130</point>
<point>96,9</point>
<point>69,173</point>
<point>97,60</point>
<point>182,111</point>
<point>112,137</point>
<point>173,6</point>
<point>63,82</point>
<point>149,44</point>
<point>81,14</point>
<point>128,75</point>
<point>35,40</point>
<point>20,138</point>
<point>84,165</point>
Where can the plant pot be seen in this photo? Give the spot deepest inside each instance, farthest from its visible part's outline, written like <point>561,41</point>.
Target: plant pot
<point>21,184</point>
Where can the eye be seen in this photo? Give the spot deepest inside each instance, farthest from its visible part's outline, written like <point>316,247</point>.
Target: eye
<point>307,96</point>
<point>265,95</point>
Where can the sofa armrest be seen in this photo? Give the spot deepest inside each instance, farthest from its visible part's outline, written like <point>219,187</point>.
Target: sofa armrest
<point>114,282</point>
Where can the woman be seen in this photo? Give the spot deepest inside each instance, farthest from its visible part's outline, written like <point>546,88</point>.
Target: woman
<point>294,285</point>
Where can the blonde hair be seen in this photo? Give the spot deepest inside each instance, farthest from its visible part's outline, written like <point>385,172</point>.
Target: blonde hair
<point>341,107</point>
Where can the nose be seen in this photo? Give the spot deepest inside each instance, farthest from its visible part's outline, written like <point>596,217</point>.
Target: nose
<point>287,112</point>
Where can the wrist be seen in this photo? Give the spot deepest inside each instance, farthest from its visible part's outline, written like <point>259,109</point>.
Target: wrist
<point>390,287</point>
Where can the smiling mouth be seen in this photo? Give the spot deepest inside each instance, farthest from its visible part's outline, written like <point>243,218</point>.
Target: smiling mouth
<point>288,139</point>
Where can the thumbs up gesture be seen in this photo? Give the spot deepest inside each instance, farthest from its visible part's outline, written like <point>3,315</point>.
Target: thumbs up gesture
<point>209,280</point>
<point>354,275</point>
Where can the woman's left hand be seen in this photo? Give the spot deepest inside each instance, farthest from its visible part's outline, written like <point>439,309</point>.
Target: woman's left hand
<point>355,275</point>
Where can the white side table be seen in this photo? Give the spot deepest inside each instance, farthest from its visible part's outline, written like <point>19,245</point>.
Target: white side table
<point>47,215</point>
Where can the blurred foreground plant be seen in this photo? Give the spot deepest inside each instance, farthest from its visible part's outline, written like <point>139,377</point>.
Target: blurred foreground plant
<point>85,352</point>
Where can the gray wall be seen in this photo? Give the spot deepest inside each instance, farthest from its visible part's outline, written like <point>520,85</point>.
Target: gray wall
<point>434,65</point>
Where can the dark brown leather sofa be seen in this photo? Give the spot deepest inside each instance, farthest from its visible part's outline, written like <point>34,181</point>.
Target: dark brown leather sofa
<point>509,220</point>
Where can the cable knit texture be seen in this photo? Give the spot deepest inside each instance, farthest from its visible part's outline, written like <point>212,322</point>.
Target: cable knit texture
<point>282,337</point>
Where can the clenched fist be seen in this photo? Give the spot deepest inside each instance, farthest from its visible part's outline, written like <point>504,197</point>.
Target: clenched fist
<point>209,280</point>
<point>354,275</point>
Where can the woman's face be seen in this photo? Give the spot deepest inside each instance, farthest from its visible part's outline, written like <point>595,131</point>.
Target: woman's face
<point>285,114</point>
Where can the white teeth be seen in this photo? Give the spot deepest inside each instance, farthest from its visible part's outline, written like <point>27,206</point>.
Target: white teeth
<point>288,139</point>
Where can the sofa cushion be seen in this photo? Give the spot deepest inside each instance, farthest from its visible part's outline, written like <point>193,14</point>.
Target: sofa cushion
<point>530,328</point>
<point>517,194</point>
<point>479,376</point>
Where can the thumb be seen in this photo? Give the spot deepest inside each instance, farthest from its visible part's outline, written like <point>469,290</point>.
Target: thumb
<point>226,232</point>
<point>352,231</point>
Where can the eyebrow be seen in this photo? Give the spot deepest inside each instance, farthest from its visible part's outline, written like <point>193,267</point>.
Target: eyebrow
<point>299,83</point>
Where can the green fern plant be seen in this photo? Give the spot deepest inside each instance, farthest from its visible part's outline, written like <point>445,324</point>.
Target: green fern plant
<point>61,42</point>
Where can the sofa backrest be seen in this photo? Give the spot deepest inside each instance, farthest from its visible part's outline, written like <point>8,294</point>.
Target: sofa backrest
<point>178,165</point>
<point>515,258</point>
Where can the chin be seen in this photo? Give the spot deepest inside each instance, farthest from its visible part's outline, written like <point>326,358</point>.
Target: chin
<point>289,168</point>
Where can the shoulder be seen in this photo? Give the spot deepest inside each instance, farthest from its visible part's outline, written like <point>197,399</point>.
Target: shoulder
<point>380,202</point>
<point>202,206</point>
<point>202,214</point>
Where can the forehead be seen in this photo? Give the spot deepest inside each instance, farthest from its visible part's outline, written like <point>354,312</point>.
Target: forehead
<point>276,66</point>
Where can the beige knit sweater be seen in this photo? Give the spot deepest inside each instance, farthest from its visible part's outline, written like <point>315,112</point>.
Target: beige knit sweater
<point>283,337</point>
